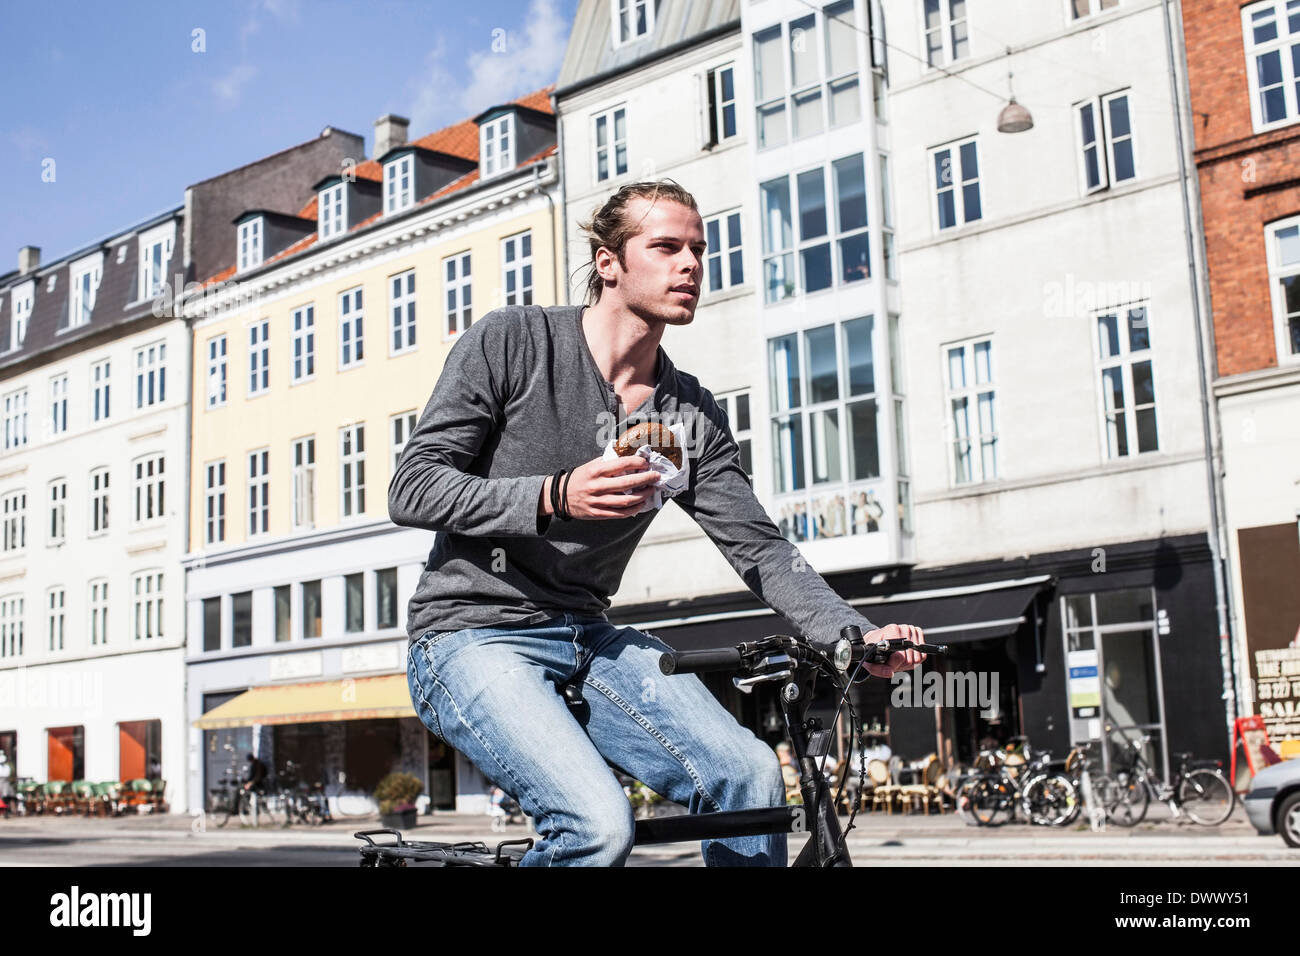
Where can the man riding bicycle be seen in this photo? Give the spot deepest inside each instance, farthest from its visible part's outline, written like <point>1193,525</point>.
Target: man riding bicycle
<point>536,529</point>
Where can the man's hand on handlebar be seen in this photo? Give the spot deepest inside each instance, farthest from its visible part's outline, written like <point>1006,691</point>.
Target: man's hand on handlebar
<point>898,660</point>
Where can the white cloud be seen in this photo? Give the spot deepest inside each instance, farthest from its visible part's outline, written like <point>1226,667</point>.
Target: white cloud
<point>530,60</point>
<point>230,88</point>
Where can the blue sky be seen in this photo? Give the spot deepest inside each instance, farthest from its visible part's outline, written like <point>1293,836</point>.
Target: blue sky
<point>130,113</point>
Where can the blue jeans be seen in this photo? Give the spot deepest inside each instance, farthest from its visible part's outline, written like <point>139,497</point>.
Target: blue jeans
<point>493,694</point>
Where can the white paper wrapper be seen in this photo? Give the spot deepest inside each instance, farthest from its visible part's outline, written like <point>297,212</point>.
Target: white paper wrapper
<point>673,480</point>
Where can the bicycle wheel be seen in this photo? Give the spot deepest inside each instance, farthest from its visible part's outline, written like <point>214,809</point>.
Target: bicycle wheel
<point>1206,797</point>
<point>223,807</point>
<point>1050,800</point>
<point>988,798</point>
<point>1129,805</point>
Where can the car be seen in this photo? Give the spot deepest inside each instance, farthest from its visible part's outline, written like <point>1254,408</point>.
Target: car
<point>1273,802</point>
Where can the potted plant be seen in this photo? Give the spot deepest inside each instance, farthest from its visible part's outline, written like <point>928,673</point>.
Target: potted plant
<point>396,795</point>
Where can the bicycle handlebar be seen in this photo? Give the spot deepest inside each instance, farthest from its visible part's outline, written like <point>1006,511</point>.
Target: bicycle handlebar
<point>749,655</point>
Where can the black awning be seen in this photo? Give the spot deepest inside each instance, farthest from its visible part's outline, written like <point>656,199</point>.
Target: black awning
<point>946,619</point>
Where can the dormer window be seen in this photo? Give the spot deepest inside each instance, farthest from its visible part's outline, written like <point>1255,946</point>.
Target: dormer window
<point>21,303</point>
<point>497,145</point>
<point>633,19</point>
<point>250,244</point>
<point>155,253</point>
<point>331,211</point>
<point>399,179</point>
<point>86,274</point>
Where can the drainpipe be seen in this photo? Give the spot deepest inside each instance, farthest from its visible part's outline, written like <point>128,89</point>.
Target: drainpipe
<point>537,188</point>
<point>559,165</point>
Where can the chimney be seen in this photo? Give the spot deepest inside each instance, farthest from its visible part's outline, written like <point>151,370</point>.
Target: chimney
<point>390,131</point>
<point>29,257</point>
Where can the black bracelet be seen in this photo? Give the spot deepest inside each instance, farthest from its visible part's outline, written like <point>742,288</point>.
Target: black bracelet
<point>555,494</point>
<point>564,498</point>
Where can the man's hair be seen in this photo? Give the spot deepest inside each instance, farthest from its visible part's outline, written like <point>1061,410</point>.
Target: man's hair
<point>610,227</point>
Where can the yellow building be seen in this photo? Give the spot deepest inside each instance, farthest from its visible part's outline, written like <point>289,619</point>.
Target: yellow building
<point>313,358</point>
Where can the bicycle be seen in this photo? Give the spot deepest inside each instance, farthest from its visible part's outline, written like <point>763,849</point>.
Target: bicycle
<point>778,658</point>
<point>1046,797</point>
<point>1199,789</point>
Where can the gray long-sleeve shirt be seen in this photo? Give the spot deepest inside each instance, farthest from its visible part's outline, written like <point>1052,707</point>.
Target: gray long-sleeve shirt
<point>520,397</point>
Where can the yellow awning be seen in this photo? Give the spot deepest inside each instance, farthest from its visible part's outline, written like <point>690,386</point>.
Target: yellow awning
<point>361,698</point>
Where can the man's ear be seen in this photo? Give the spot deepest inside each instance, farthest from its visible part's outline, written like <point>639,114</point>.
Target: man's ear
<point>606,264</point>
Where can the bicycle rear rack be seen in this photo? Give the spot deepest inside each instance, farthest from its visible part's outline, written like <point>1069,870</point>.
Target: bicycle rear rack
<point>473,853</point>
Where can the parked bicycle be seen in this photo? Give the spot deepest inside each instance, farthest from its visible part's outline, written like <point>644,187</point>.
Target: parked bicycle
<point>793,664</point>
<point>1199,789</point>
<point>230,798</point>
<point>1046,796</point>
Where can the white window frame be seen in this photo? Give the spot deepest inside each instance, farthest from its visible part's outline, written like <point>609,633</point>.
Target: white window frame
<point>98,485</point>
<point>458,294</point>
<point>519,265</point>
<point>332,211</point>
<point>612,143</point>
<point>352,339</point>
<point>623,13</point>
<point>58,499</point>
<point>150,370</point>
<point>217,371</point>
<point>401,312</point>
<point>251,243</point>
<point>99,388</point>
<point>958,182</point>
<point>1276,272</point>
<point>97,600</point>
<point>1282,44</point>
<point>56,599</point>
<point>1124,360</point>
<point>841,81</point>
<point>727,402</point>
<point>11,626</point>
<point>725,254</point>
<point>400,427</point>
<point>303,505</point>
<point>148,486</point>
<point>147,604</point>
<point>399,196</point>
<point>21,310</point>
<point>13,516</point>
<point>259,358</point>
<point>59,404</point>
<point>716,105</point>
<point>302,344</point>
<point>84,285</point>
<point>258,492</point>
<point>214,501</point>
<point>971,391</point>
<point>149,284</point>
<point>352,471</point>
<point>495,158</point>
<point>1104,141</point>
<point>15,412</point>
<point>947,42</point>
<point>1094,9</point>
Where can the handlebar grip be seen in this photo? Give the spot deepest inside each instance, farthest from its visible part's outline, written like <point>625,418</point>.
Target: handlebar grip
<point>694,662</point>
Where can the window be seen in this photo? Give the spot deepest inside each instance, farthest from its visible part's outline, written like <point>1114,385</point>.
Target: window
<point>332,211</point>
<point>497,145</point>
<point>16,419</point>
<point>148,605</point>
<point>736,408</point>
<point>304,483</point>
<point>970,398</point>
<point>517,269</point>
<point>13,511</point>
<point>352,341</point>
<point>354,603</point>
<point>1128,393</point>
<point>946,38</point>
<point>400,427</point>
<point>212,624</point>
<point>99,383</point>
<point>956,183</point>
<point>1106,140</point>
<point>155,253</point>
<point>98,612</point>
<point>250,244</point>
<point>401,306</point>
<point>55,599</point>
<point>386,593</point>
<point>99,501</point>
<point>259,507</point>
<point>241,619</point>
<point>398,190</point>
<point>1284,280</point>
<point>723,262</point>
<point>611,144</point>
<point>824,418</point>
<point>21,307</point>
<point>311,619</point>
<point>844,97</point>
<point>216,371</point>
<point>633,19</point>
<point>214,498</point>
<point>86,274</point>
<point>58,525</point>
<point>460,311</point>
<point>283,612</point>
<point>148,488</point>
<point>352,460</point>
<point>259,363</point>
<point>769,88</point>
<point>11,626</point>
<point>151,375</point>
<point>58,405</point>
<point>887,220</point>
<point>1086,8</point>
<point>303,344</point>
<point>1272,41</point>
<point>720,89</point>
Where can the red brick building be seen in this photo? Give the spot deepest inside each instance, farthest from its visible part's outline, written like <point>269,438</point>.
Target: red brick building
<point>1244,76</point>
